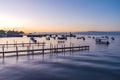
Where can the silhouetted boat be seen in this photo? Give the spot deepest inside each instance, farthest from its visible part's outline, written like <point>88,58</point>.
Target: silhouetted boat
<point>62,38</point>
<point>112,38</point>
<point>32,38</point>
<point>81,38</point>
<point>89,36</point>
<point>106,37</point>
<point>71,35</point>
<point>47,38</point>
<point>34,35</point>
<point>102,41</point>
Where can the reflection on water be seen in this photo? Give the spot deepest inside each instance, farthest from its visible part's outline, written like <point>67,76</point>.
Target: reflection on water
<point>99,63</point>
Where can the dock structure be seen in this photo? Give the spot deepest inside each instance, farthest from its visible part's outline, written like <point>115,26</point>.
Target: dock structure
<point>31,50</point>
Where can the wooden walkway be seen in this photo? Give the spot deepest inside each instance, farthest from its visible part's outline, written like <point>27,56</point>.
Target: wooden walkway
<point>42,50</point>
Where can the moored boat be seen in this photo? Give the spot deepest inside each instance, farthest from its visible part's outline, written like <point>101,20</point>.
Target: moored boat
<point>102,41</point>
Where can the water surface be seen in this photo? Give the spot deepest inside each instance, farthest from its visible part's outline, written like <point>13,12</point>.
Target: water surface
<point>101,62</point>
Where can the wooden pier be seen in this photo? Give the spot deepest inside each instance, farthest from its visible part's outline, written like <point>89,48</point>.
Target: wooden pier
<point>31,50</point>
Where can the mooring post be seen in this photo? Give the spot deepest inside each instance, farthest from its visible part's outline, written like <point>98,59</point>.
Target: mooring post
<point>3,51</point>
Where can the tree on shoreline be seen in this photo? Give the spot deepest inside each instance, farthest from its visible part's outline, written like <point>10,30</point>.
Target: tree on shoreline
<point>2,32</point>
<point>10,33</point>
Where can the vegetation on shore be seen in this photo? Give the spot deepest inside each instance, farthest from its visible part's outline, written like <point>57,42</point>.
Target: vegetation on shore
<point>11,33</point>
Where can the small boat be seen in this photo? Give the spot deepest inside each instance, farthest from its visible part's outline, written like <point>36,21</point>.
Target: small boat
<point>71,35</point>
<point>81,38</point>
<point>78,37</point>
<point>54,37</point>
<point>33,39</point>
<point>47,38</point>
<point>62,38</point>
<point>106,37</point>
<point>112,38</point>
<point>102,41</point>
<point>89,36</point>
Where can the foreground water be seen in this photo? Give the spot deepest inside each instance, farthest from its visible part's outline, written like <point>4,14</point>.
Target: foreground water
<point>101,62</point>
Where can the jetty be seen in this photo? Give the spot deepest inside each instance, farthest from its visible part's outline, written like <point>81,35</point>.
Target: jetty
<point>30,49</point>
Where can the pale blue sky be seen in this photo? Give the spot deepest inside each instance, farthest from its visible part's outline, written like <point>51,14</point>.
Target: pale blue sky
<point>60,15</point>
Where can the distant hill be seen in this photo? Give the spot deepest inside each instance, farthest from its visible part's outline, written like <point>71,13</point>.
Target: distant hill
<point>99,33</point>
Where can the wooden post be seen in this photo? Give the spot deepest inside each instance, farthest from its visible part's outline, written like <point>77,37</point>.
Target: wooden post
<point>29,43</point>
<point>14,43</point>
<point>6,44</point>
<point>16,50</point>
<point>22,44</point>
<point>3,51</point>
<point>57,48</point>
<point>70,46</point>
<point>28,49</point>
<point>38,44</point>
<point>64,47</point>
<point>79,47</point>
<point>50,48</point>
<point>32,50</point>
<point>54,49</point>
<point>43,48</point>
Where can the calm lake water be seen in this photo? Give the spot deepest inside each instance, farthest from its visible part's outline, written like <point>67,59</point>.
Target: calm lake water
<point>101,62</point>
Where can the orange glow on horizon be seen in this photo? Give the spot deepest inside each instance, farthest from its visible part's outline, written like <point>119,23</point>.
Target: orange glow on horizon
<point>46,28</point>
